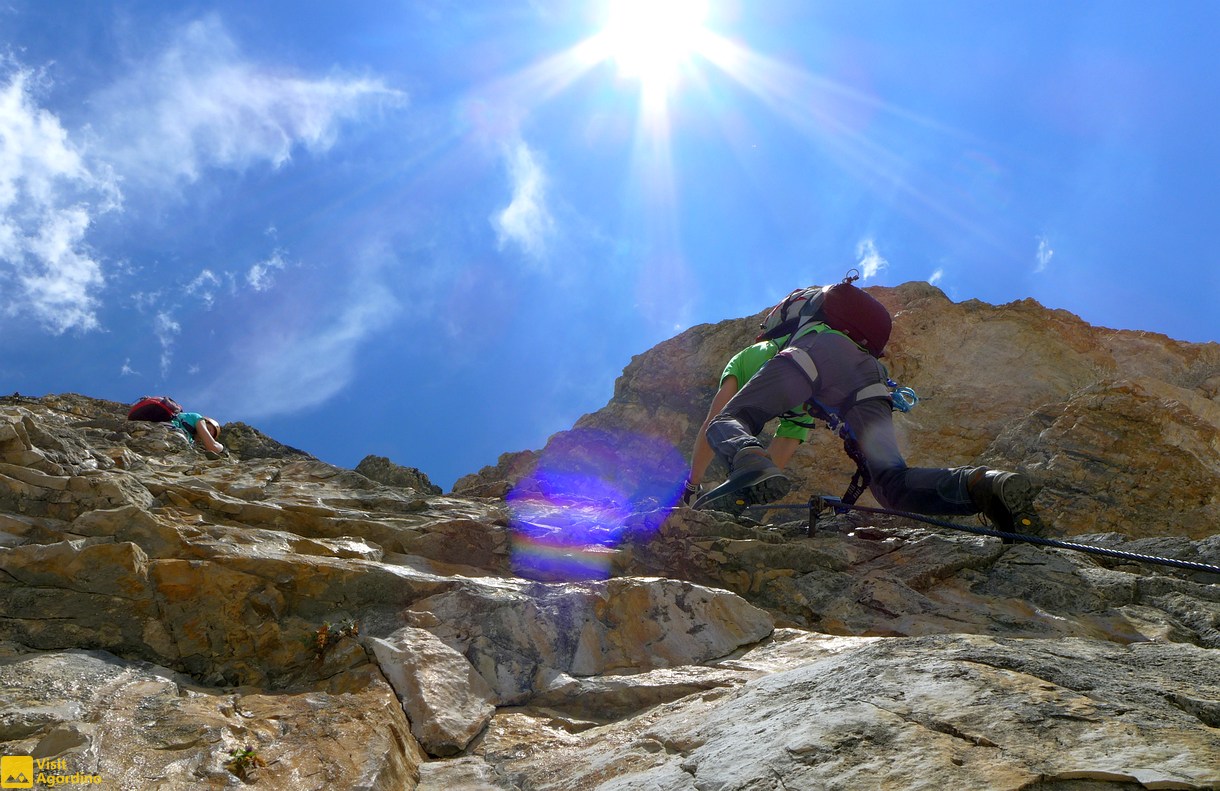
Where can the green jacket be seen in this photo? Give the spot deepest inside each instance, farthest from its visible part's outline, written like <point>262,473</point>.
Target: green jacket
<point>746,363</point>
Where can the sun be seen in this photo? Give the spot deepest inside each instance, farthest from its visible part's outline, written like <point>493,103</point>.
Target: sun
<point>650,40</point>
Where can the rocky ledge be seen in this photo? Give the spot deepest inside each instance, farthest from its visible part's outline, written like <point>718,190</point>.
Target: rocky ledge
<point>170,620</point>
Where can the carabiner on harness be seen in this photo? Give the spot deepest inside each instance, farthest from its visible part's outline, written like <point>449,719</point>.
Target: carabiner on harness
<point>904,398</point>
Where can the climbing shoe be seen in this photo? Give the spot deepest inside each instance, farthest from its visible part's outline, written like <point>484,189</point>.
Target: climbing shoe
<point>754,480</point>
<point>1006,499</point>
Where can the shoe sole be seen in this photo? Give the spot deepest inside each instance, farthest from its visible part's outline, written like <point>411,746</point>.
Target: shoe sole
<point>1017,494</point>
<point>745,494</point>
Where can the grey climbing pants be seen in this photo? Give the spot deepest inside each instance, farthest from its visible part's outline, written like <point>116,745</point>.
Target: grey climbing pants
<point>831,370</point>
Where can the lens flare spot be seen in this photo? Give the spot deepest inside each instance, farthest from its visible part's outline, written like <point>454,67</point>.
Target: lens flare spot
<point>590,491</point>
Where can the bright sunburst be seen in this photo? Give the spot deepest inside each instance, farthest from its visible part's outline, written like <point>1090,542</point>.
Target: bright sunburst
<point>650,39</point>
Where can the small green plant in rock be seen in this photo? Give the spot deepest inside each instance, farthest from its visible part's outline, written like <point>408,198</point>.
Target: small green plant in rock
<point>328,634</point>
<point>244,761</point>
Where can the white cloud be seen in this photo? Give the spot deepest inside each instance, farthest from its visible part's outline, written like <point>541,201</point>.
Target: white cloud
<point>166,329</point>
<point>304,362</point>
<point>259,275</point>
<point>48,198</point>
<point>870,260</point>
<point>937,276</point>
<point>201,104</point>
<point>204,287</point>
<point>1044,254</point>
<point>526,221</point>
<point>147,300</point>
<point>197,104</point>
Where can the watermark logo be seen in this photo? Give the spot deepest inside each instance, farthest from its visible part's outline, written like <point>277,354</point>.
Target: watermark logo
<point>23,771</point>
<point>16,771</point>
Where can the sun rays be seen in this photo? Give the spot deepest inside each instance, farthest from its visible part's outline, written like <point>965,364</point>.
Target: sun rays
<point>840,120</point>
<point>659,48</point>
<point>666,52</point>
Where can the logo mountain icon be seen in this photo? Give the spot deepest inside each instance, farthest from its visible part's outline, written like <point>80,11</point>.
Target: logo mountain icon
<point>16,771</point>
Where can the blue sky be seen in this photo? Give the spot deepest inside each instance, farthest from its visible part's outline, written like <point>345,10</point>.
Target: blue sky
<point>437,231</point>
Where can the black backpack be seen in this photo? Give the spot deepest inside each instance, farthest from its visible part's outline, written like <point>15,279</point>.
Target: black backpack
<point>843,307</point>
<point>158,409</point>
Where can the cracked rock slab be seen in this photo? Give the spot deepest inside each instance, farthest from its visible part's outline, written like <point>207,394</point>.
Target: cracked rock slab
<point>918,713</point>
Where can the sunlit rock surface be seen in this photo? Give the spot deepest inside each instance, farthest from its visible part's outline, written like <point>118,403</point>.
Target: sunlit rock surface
<point>1121,428</point>
<point>170,619</point>
<point>932,712</point>
<point>382,470</point>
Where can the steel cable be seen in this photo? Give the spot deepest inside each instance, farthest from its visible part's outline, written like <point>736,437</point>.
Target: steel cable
<point>837,505</point>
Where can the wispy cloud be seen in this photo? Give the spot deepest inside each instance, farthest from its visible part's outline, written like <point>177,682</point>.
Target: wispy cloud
<point>197,104</point>
<point>870,260</point>
<point>201,103</point>
<point>304,361</point>
<point>259,276</point>
<point>166,329</point>
<point>527,221</point>
<point>1044,254</point>
<point>204,287</point>
<point>48,198</point>
<point>937,276</point>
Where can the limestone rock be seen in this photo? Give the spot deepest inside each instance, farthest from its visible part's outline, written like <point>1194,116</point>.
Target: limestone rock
<point>447,702</point>
<point>934,712</point>
<point>883,576</point>
<point>1117,452</point>
<point>991,379</point>
<point>247,442</point>
<point>139,726</point>
<point>161,609</point>
<point>496,481</point>
<point>518,635</point>
<point>382,470</point>
<point>264,574</point>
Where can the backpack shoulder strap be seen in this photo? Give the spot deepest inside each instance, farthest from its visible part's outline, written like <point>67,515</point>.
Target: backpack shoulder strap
<point>791,314</point>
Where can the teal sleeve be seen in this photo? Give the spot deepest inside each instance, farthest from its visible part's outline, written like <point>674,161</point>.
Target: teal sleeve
<point>186,422</point>
<point>189,419</point>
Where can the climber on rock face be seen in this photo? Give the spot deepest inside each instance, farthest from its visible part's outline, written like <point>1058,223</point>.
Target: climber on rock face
<point>739,370</point>
<point>829,362</point>
<point>198,428</point>
<point>162,409</point>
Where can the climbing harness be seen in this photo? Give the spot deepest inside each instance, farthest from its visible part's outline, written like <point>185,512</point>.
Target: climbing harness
<point>818,504</point>
<point>903,399</point>
<point>861,478</point>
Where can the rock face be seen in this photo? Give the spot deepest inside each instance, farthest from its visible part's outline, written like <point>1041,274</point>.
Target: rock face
<point>179,621</point>
<point>943,712</point>
<point>298,600</point>
<point>1121,428</point>
<point>382,470</point>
